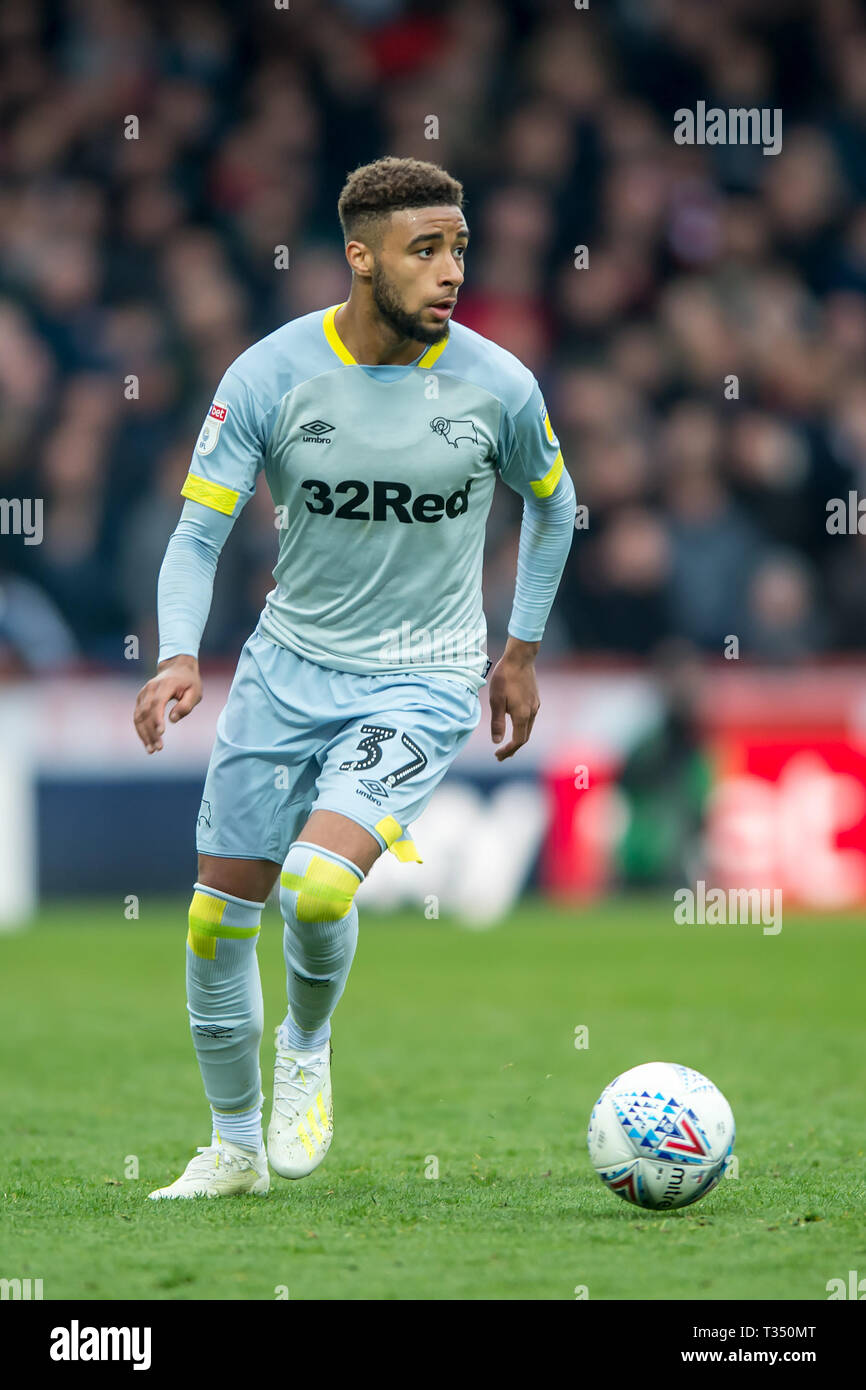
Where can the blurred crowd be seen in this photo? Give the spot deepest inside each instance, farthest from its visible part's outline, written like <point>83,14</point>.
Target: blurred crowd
<point>704,361</point>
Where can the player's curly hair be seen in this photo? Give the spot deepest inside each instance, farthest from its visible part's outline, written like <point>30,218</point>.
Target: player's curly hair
<point>374,190</point>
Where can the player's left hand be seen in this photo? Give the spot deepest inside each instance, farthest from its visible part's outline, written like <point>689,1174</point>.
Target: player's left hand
<point>514,692</point>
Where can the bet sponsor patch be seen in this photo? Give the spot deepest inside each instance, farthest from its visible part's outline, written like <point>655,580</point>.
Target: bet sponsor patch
<point>210,430</point>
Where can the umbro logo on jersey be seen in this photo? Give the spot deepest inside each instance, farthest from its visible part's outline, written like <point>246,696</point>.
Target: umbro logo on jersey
<point>315,430</point>
<point>452,431</point>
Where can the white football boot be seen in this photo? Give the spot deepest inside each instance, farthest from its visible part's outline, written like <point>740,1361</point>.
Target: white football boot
<point>220,1170</point>
<point>302,1121</point>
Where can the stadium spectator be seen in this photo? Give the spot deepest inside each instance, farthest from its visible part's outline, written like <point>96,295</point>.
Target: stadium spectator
<point>704,358</point>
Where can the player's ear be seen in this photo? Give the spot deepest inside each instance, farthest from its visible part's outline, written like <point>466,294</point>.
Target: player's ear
<point>360,259</point>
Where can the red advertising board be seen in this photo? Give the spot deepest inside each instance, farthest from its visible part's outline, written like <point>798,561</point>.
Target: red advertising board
<point>790,812</point>
<point>787,807</point>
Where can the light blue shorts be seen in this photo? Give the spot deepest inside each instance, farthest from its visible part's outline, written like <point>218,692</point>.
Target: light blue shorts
<point>296,737</point>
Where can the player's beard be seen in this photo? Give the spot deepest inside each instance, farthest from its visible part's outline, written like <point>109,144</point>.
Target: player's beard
<point>391,309</point>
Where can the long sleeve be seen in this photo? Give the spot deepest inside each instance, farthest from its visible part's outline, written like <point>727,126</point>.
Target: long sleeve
<point>531,463</point>
<point>545,540</point>
<point>222,477</point>
<point>186,578</point>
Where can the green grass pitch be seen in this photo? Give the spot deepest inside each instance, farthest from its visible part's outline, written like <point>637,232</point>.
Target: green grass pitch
<point>451,1045</point>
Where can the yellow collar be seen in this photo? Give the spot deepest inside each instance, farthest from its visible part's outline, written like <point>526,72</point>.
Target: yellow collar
<point>337,345</point>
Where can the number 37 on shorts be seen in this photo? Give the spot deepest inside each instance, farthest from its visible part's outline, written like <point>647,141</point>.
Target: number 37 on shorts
<point>296,737</point>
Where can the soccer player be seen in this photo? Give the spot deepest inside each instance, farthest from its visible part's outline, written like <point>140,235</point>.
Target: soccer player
<point>381,427</point>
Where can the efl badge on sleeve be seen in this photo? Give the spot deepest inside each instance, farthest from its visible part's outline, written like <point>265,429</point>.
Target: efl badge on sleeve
<point>210,430</point>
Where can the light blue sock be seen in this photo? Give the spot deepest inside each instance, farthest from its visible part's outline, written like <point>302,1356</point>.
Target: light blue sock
<point>224,1000</point>
<point>244,1128</point>
<point>318,952</point>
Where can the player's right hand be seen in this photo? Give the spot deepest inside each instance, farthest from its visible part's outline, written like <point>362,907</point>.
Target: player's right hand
<point>176,679</point>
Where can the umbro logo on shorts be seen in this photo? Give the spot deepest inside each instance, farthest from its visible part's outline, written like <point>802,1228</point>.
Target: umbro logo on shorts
<point>373,785</point>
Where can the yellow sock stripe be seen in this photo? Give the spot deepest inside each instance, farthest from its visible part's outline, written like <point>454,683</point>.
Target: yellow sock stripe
<point>202,946</point>
<point>230,933</point>
<point>221,499</point>
<point>322,1111</point>
<point>325,890</point>
<point>543,487</point>
<point>206,924</point>
<point>305,1140</point>
<point>207,909</point>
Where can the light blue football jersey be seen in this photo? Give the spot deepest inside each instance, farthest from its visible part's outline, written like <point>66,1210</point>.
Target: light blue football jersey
<point>382,479</point>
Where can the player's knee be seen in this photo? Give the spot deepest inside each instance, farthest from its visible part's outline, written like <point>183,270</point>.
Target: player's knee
<point>214,916</point>
<point>317,885</point>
